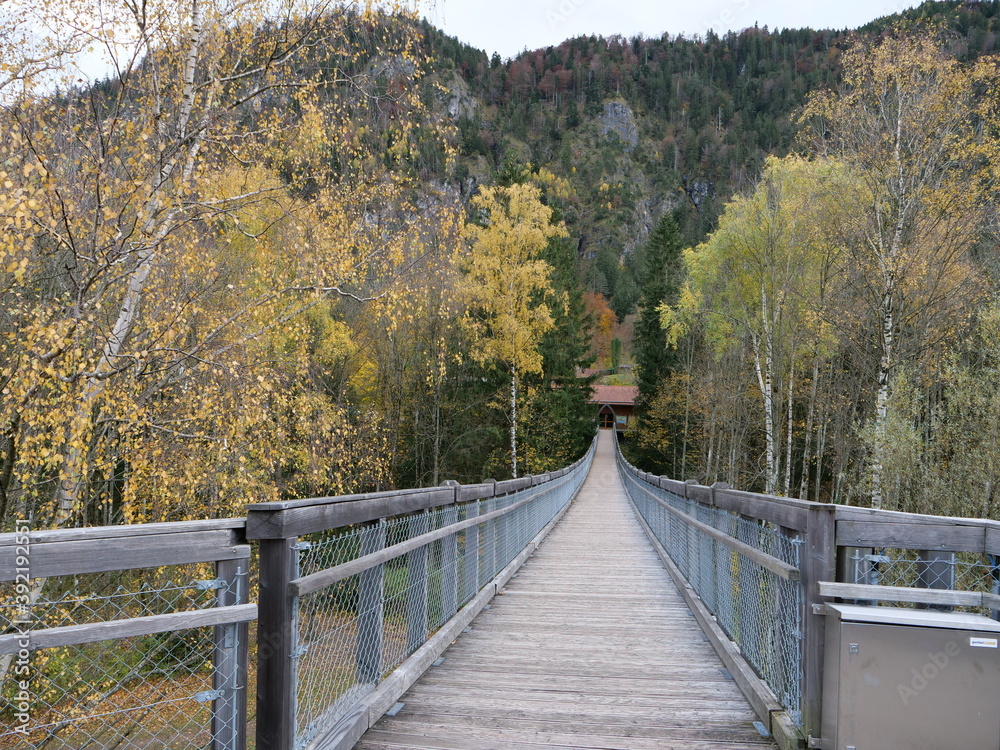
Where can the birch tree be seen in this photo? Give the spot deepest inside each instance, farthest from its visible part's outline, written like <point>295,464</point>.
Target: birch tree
<point>758,282</point>
<point>917,129</point>
<point>505,284</point>
<point>170,228</point>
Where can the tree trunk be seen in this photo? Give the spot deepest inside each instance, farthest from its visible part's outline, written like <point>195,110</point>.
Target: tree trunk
<point>810,416</point>
<point>820,450</point>
<point>887,312</point>
<point>882,404</point>
<point>7,467</point>
<point>513,422</point>
<point>155,228</point>
<point>791,417</point>
<point>766,385</point>
<point>72,474</point>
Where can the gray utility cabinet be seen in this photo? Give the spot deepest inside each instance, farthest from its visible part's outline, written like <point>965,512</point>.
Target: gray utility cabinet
<point>910,679</point>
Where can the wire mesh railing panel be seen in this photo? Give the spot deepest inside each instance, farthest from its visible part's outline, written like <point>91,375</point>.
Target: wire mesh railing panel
<point>352,634</point>
<point>759,610</point>
<point>930,569</point>
<point>139,691</point>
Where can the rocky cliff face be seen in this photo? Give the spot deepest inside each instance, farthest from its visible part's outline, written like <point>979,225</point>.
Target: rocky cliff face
<point>454,97</point>
<point>619,118</point>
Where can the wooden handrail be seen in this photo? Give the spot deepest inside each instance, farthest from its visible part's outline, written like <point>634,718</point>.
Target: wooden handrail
<point>323,578</point>
<point>779,567</point>
<point>870,592</point>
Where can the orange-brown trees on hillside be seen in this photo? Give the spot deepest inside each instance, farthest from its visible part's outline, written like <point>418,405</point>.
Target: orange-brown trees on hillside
<point>605,326</point>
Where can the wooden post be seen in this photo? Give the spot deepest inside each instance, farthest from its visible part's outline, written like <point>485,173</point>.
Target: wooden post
<point>371,608</point>
<point>471,555</point>
<point>275,645</point>
<point>229,661</point>
<point>490,542</point>
<point>416,566</point>
<point>819,563</point>
<point>449,566</point>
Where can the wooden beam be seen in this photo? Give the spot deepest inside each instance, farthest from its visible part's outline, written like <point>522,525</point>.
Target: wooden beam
<point>672,485</point>
<point>781,511</point>
<point>283,520</point>
<point>699,493</point>
<point>992,543</point>
<point>949,597</point>
<point>779,567</point>
<point>928,533</point>
<point>300,517</point>
<point>90,533</point>
<point>98,555</point>
<point>74,635</point>
<point>316,581</point>
<point>468,492</point>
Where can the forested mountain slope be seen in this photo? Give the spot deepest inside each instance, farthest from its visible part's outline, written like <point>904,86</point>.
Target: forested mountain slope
<point>264,258</point>
<point>647,125</point>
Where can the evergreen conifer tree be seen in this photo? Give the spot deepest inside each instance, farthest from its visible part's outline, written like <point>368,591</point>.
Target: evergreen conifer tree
<point>661,283</point>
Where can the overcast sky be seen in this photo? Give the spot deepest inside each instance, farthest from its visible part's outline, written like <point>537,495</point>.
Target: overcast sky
<point>510,26</point>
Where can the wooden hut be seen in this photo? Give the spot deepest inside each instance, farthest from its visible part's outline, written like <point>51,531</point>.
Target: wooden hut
<point>617,405</point>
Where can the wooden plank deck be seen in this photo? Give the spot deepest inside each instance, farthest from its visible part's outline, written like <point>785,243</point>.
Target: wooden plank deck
<point>589,646</point>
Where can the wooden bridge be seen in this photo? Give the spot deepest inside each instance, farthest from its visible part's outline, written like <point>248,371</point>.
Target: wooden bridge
<point>590,645</point>
<point>597,606</point>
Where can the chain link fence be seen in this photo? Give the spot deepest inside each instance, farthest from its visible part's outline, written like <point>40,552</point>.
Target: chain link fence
<point>352,634</point>
<point>139,691</point>
<point>760,611</point>
<point>151,657</point>
<point>929,569</point>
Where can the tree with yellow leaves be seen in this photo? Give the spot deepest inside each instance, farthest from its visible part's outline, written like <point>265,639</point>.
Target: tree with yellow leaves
<point>761,281</point>
<point>165,236</point>
<point>505,283</point>
<point>918,130</point>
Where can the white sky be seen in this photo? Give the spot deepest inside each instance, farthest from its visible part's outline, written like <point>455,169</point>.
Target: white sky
<point>510,26</point>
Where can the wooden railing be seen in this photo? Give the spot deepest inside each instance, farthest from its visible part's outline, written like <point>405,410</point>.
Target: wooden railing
<point>79,555</point>
<point>848,553</point>
<point>452,548</point>
<point>454,545</point>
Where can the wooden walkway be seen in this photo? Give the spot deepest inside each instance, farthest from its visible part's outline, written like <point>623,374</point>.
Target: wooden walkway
<point>589,646</point>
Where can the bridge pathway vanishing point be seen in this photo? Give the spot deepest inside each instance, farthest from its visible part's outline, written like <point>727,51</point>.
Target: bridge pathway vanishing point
<point>590,646</point>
